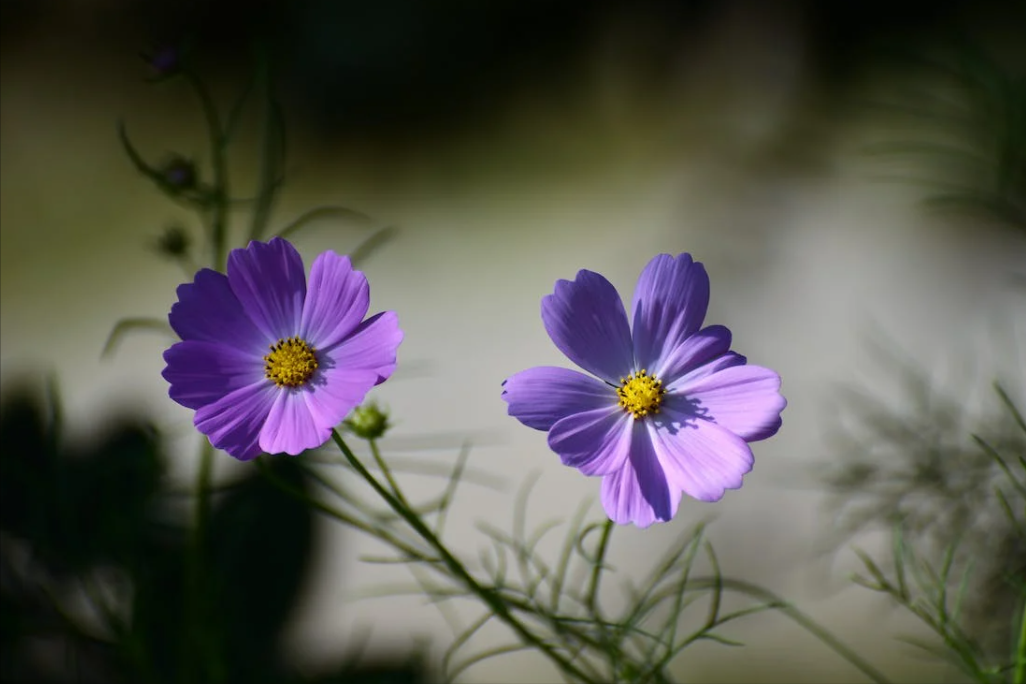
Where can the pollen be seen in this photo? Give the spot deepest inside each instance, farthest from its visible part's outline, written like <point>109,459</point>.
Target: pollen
<point>291,363</point>
<point>640,394</point>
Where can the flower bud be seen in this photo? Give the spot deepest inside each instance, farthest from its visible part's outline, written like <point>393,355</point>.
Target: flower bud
<point>368,421</point>
<point>174,242</point>
<point>179,173</point>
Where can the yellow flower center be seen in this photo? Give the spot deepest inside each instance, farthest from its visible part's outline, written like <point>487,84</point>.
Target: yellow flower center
<point>291,362</point>
<point>641,394</point>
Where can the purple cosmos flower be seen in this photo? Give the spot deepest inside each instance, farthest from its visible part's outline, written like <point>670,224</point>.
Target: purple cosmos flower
<point>270,362</point>
<point>672,410</point>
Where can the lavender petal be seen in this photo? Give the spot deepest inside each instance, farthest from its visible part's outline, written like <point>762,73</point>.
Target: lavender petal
<point>538,397</point>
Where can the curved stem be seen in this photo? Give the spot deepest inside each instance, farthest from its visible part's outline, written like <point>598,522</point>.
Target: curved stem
<point>498,606</point>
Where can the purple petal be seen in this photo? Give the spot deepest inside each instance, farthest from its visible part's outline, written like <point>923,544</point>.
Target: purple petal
<point>639,492</point>
<point>209,311</point>
<point>669,305</point>
<point>744,399</point>
<point>337,298</point>
<point>372,346</point>
<point>540,396</point>
<point>233,423</point>
<point>586,320</point>
<point>201,373</point>
<point>699,457</point>
<point>269,281</point>
<point>697,350</point>
<point>595,442</point>
<point>728,360</point>
<point>290,427</point>
<point>334,393</point>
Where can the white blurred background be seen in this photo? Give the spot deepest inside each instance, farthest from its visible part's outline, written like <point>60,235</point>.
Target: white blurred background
<point>733,151</point>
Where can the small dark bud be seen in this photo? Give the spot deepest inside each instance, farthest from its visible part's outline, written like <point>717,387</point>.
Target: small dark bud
<point>179,173</point>
<point>174,242</point>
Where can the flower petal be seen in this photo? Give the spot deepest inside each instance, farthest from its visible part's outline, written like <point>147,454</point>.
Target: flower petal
<point>372,346</point>
<point>540,396</point>
<point>233,422</point>
<point>670,302</point>
<point>269,281</point>
<point>337,298</point>
<point>719,363</point>
<point>699,457</point>
<point>697,350</point>
<point>335,392</point>
<point>201,373</point>
<point>595,442</point>
<point>744,399</point>
<point>586,320</point>
<point>208,310</point>
<point>639,492</point>
<point>290,427</point>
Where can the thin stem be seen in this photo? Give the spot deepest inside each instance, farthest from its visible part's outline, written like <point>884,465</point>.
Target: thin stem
<point>497,605</point>
<point>596,570</point>
<point>219,210</point>
<point>802,619</point>
<point>343,517</point>
<point>376,452</point>
<point>270,156</point>
<point>195,604</point>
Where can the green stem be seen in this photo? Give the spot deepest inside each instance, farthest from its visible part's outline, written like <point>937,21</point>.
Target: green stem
<point>397,543</point>
<point>196,643</point>
<point>219,210</point>
<point>497,605</point>
<point>376,452</point>
<point>1020,651</point>
<point>596,570</point>
<point>802,619</point>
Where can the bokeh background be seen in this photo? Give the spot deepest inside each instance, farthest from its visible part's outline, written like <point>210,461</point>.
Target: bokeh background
<point>513,143</point>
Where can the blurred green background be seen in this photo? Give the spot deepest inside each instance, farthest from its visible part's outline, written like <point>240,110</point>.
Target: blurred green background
<point>789,146</point>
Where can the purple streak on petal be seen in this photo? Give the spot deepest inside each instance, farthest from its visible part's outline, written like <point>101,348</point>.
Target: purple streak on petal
<point>337,298</point>
<point>268,279</point>
<point>595,442</point>
<point>209,311</point>
<point>699,457</point>
<point>586,320</point>
<point>639,492</point>
<point>670,302</point>
<point>540,396</point>
<point>372,346</point>
<point>728,360</point>
<point>697,350</point>
<point>744,399</point>
<point>201,373</point>
<point>290,427</point>
<point>233,423</point>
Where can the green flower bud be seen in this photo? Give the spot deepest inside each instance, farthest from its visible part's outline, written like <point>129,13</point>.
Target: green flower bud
<point>368,421</point>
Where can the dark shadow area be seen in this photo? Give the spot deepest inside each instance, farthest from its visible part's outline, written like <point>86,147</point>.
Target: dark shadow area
<point>100,580</point>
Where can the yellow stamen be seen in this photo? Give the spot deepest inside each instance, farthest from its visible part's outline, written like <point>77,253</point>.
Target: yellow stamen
<point>641,394</point>
<point>291,362</point>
